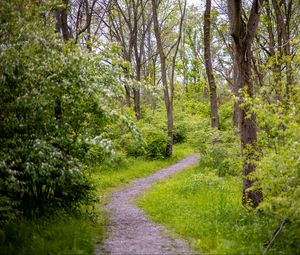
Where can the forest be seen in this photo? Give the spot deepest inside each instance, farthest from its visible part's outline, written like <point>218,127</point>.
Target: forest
<point>149,127</point>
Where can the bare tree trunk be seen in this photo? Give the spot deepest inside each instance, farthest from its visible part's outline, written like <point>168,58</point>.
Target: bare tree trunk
<point>168,87</point>
<point>243,35</point>
<point>209,68</point>
<point>122,127</point>
<point>62,28</point>
<point>169,106</point>
<point>136,91</point>
<point>127,74</point>
<point>236,110</point>
<point>127,92</point>
<point>282,22</point>
<point>62,21</point>
<point>277,65</point>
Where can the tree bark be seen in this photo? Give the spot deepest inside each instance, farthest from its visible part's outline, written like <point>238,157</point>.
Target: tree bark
<point>209,68</point>
<point>284,41</point>
<point>243,35</point>
<point>277,63</point>
<point>136,91</point>
<point>163,68</point>
<point>62,28</point>
<point>62,21</point>
<point>236,117</point>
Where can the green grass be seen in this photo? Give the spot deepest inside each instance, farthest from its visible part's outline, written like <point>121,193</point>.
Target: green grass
<point>65,235</point>
<point>78,234</point>
<point>206,210</point>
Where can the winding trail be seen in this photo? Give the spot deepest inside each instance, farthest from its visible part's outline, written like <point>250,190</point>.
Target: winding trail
<point>130,232</point>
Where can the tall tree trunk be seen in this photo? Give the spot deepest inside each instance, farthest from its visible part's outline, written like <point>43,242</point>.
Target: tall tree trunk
<point>127,96</point>
<point>136,91</point>
<point>236,110</point>
<point>283,22</point>
<point>209,68</point>
<point>62,21</point>
<point>243,35</point>
<point>127,58</point>
<point>62,28</point>
<point>163,68</point>
<point>277,63</point>
<point>248,129</point>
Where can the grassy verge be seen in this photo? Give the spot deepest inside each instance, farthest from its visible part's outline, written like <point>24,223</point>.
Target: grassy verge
<point>132,168</point>
<point>206,210</point>
<point>78,234</point>
<point>63,234</point>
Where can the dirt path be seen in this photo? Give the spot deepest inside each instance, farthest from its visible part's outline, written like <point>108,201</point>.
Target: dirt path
<point>130,231</point>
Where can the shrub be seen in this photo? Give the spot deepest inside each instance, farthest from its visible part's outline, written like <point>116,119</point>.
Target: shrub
<point>180,133</point>
<point>156,141</point>
<point>278,175</point>
<point>156,146</point>
<point>56,103</point>
<point>133,147</point>
<point>219,152</point>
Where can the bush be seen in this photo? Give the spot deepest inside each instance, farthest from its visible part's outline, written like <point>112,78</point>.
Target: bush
<point>133,147</point>
<point>219,152</point>
<point>156,146</point>
<point>180,133</point>
<point>152,141</point>
<point>56,104</point>
<point>278,175</point>
<point>156,141</point>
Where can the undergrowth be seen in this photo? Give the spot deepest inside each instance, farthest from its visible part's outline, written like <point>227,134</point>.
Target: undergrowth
<point>206,210</point>
<point>60,234</point>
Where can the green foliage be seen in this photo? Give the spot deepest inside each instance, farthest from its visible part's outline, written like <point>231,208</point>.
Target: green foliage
<point>180,133</point>
<point>225,113</point>
<point>219,151</point>
<point>133,147</point>
<point>156,146</point>
<point>153,137</point>
<point>57,102</point>
<point>279,178</point>
<point>60,129</point>
<point>278,170</point>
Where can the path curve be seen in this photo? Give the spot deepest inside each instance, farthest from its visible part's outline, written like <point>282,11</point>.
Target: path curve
<point>130,232</point>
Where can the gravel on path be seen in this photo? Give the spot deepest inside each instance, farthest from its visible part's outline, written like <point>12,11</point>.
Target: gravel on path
<point>130,232</point>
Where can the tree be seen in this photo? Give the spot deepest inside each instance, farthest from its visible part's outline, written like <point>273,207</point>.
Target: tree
<point>128,24</point>
<point>168,86</point>
<point>243,34</point>
<point>190,54</point>
<point>209,68</point>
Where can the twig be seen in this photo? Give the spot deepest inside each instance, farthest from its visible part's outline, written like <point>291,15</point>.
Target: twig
<point>275,234</point>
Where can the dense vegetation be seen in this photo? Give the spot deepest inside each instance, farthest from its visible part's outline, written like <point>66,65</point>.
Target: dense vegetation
<point>96,93</point>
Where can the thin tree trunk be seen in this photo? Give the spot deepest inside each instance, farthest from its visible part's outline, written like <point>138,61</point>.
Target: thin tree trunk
<point>168,103</point>
<point>136,91</point>
<point>236,110</point>
<point>277,65</point>
<point>62,28</point>
<point>284,42</point>
<point>209,68</point>
<point>127,95</point>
